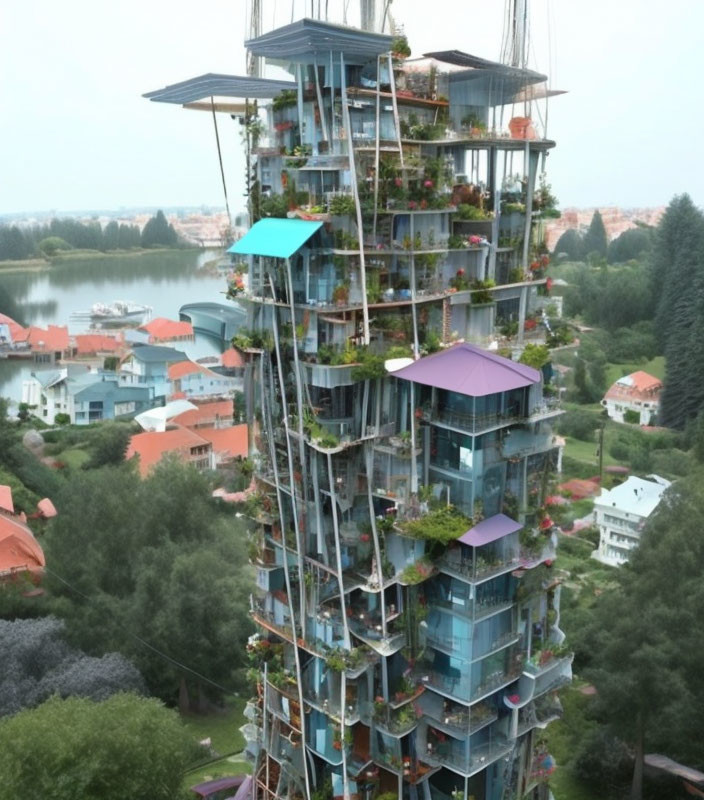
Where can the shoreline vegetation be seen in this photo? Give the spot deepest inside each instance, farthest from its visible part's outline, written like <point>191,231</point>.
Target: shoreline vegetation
<point>38,264</point>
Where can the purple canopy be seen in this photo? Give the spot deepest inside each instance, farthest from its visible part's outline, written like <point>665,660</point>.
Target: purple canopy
<point>245,790</point>
<point>230,782</point>
<point>469,370</point>
<point>489,530</point>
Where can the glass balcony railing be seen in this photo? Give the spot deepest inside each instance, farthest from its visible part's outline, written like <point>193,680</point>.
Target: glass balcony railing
<point>479,757</point>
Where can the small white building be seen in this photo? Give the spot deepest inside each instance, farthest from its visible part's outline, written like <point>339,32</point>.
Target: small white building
<point>634,398</point>
<point>621,513</point>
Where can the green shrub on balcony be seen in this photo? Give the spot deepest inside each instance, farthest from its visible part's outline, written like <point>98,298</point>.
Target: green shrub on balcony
<point>466,212</point>
<point>341,205</point>
<point>442,525</point>
<point>415,573</point>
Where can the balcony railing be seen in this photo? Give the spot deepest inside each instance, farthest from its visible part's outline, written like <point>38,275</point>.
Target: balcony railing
<point>475,423</point>
<point>478,758</point>
<point>478,568</point>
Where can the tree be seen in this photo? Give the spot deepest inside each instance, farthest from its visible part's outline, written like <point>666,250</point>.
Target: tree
<point>36,663</point>
<point>109,444</point>
<point>595,240</point>
<point>632,244</point>
<point>645,637</point>
<point>571,244</point>
<point>52,244</point>
<point>111,236</point>
<point>159,560</point>
<point>126,746</point>
<point>535,355</point>
<point>158,231</point>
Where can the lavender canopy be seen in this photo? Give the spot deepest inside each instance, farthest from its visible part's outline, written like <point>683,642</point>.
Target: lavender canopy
<point>469,370</point>
<point>489,530</point>
<point>219,784</point>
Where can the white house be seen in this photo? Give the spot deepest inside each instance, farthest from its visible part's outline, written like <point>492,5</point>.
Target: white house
<point>634,398</point>
<point>620,515</point>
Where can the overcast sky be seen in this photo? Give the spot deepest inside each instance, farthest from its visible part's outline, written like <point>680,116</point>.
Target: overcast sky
<point>76,134</point>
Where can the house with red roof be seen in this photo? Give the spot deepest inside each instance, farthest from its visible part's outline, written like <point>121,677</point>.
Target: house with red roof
<point>91,345</point>
<point>209,414</point>
<point>634,398</point>
<point>12,335</point>
<point>189,380</point>
<point>49,344</point>
<point>19,550</point>
<point>162,329</point>
<point>187,445</point>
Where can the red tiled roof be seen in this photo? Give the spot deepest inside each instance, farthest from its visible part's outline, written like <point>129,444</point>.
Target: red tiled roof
<point>6,503</point>
<point>19,550</point>
<point>88,344</point>
<point>162,329</point>
<point>152,446</point>
<point>46,508</point>
<point>232,359</point>
<point>53,339</point>
<point>18,333</point>
<point>227,442</point>
<point>205,414</point>
<point>182,368</point>
<point>638,385</point>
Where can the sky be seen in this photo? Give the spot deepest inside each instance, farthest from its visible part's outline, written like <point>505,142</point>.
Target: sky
<point>76,134</point>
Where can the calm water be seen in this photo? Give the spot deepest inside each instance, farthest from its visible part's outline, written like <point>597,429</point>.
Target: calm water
<point>164,281</point>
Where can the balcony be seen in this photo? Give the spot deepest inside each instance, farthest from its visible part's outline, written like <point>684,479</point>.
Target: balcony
<point>460,721</point>
<point>476,569</point>
<point>465,690</point>
<point>482,422</point>
<point>478,759</point>
<point>397,722</point>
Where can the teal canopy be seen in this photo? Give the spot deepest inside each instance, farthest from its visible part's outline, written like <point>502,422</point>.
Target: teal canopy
<point>276,238</point>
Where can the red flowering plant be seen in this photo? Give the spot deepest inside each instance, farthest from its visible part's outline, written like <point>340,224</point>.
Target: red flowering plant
<point>459,282</point>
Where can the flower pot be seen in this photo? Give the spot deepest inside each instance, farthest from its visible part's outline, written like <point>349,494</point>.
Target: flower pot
<point>521,128</point>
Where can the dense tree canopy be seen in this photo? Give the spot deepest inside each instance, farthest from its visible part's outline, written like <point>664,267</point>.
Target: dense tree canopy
<point>158,231</point>
<point>160,561</point>
<point>66,233</point>
<point>631,245</point>
<point>36,663</point>
<point>571,245</point>
<point>123,747</point>
<point>645,640</point>
<point>595,240</point>
<point>678,281</point>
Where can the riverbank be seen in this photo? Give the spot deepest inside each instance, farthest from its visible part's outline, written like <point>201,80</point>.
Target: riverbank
<point>38,264</point>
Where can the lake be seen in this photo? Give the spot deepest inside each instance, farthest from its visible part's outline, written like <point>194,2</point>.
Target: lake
<point>165,280</point>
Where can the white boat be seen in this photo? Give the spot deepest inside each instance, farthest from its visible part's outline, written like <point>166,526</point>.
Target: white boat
<point>119,311</point>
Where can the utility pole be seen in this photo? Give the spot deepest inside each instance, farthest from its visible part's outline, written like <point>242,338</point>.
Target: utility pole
<point>601,449</point>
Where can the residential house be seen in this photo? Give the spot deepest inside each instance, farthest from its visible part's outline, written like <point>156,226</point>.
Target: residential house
<point>634,398</point>
<point>148,365</point>
<point>19,550</point>
<point>189,379</point>
<point>83,396</point>
<point>49,345</point>
<point>621,513</point>
<point>188,446</point>
<point>161,329</point>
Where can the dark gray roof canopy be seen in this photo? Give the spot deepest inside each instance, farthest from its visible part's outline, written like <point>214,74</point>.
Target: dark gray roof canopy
<point>460,59</point>
<point>214,85</point>
<point>301,41</point>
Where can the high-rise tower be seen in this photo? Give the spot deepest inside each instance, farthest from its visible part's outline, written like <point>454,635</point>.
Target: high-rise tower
<point>408,639</point>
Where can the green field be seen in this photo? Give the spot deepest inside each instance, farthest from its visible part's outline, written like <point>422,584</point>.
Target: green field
<point>655,367</point>
<point>223,729</point>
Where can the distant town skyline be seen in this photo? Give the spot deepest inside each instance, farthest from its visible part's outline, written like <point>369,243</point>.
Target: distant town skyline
<point>79,135</point>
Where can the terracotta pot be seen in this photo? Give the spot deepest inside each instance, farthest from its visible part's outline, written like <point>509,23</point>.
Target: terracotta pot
<point>521,128</point>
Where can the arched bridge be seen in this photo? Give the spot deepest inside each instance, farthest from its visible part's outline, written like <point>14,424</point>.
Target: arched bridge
<point>214,319</point>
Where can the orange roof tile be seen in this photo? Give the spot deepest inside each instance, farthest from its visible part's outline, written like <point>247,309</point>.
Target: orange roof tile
<point>88,344</point>
<point>18,333</point>
<point>152,446</point>
<point>182,368</point>
<point>638,385</point>
<point>19,550</point>
<point>162,329</point>
<point>232,359</point>
<point>54,338</point>
<point>228,442</point>
<point>6,503</point>
<point>205,414</point>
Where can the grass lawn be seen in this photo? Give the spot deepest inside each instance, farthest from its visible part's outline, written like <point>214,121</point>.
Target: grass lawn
<point>656,367</point>
<point>74,457</point>
<point>223,729</point>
